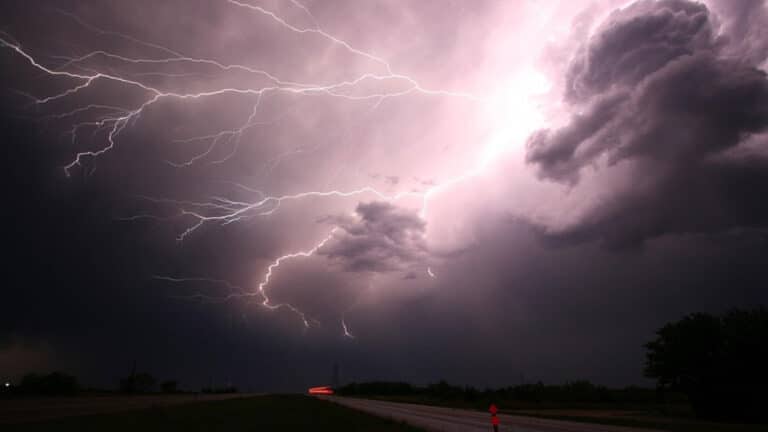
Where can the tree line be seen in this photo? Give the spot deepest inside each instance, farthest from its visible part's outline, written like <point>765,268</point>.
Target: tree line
<point>535,393</point>
<point>63,384</point>
<point>716,363</point>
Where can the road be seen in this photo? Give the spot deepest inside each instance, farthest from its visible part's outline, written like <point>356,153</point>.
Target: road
<point>443,419</point>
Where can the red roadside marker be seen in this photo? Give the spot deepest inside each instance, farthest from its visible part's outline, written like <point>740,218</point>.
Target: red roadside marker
<point>494,419</point>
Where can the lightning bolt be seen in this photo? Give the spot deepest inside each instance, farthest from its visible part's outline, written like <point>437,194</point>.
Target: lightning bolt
<point>235,291</point>
<point>112,121</point>
<point>226,211</point>
<point>346,329</point>
<point>262,287</point>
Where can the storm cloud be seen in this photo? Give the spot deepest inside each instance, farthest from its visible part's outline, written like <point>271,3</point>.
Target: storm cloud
<point>415,211</point>
<point>658,92</point>
<point>380,238</point>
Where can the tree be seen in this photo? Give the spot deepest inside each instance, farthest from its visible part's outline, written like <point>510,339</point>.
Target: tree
<point>719,362</point>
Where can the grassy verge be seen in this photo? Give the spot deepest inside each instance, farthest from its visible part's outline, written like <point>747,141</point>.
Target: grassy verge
<point>262,413</point>
<point>664,424</point>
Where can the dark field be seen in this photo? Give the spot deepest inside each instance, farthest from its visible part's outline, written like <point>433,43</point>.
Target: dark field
<point>36,409</point>
<point>258,413</point>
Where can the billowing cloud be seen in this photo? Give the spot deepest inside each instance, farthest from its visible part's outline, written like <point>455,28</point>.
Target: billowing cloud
<point>381,237</point>
<point>635,42</point>
<point>657,92</point>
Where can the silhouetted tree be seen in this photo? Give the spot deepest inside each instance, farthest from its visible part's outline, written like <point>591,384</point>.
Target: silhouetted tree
<point>717,361</point>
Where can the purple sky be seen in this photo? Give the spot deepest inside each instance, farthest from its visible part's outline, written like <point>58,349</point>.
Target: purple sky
<point>482,191</point>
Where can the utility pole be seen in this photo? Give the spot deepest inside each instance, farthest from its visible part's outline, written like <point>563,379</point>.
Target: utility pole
<point>335,381</point>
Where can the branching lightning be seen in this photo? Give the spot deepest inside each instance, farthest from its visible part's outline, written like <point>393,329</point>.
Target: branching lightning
<point>112,119</point>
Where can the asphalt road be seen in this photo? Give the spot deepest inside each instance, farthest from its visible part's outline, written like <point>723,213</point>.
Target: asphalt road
<point>448,419</point>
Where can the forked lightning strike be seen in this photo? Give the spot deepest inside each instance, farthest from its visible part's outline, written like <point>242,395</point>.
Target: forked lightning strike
<point>112,120</point>
<point>262,289</point>
<point>234,211</point>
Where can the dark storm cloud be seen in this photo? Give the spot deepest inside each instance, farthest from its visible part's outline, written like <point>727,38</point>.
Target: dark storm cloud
<point>636,42</point>
<point>382,238</point>
<point>659,92</point>
<point>556,149</point>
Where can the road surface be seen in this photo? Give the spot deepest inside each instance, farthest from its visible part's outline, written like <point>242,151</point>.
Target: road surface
<point>443,419</point>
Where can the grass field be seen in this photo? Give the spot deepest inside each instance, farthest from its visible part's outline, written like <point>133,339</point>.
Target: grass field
<point>259,413</point>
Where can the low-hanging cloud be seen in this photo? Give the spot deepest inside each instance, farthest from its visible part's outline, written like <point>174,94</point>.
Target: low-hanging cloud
<point>658,89</point>
<point>380,237</point>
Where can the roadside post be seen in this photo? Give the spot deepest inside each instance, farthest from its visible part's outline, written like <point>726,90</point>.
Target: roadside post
<point>494,418</point>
